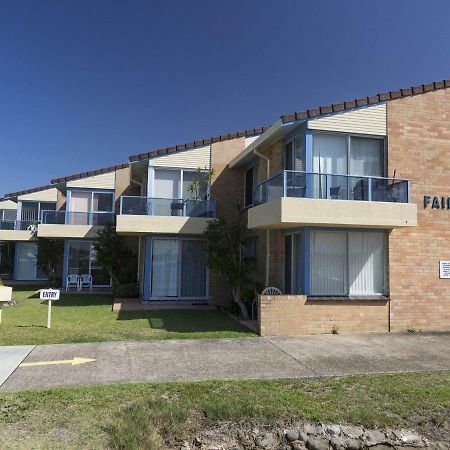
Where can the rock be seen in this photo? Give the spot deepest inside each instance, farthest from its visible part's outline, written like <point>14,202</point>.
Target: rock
<point>291,434</point>
<point>298,445</point>
<point>338,443</point>
<point>302,436</point>
<point>375,437</point>
<point>352,432</point>
<point>354,444</point>
<point>265,440</point>
<point>185,446</point>
<point>382,447</point>
<point>313,429</point>
<point>317,443</point>
<point>332,430</point>
<point>409,437</point>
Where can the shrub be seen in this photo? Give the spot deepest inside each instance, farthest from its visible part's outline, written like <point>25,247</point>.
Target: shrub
<point>129,290</point>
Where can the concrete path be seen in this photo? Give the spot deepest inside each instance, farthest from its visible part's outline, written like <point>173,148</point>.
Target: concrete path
<point>250,358</point>
<point>10,358</point>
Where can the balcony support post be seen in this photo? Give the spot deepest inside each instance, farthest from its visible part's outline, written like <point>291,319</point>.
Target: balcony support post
<point>284,183</point>
<point>369,189</point>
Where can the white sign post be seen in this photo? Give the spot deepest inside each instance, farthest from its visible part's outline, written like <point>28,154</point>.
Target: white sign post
<point>49,295</point>
<point>444,269</point>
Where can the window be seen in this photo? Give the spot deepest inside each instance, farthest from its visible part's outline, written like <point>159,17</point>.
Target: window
<point>90,207</point>
<point>250,183</point>
<point>173,273</point>
<point>348,263</point>
<point>293,158</point>
<point>342,154</point>
<point>292,266</point>
<point>174,184</point>
<point>81,260</point>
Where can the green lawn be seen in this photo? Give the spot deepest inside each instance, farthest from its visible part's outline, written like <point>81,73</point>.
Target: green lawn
<point>89,318</point>
<point>123,416</point>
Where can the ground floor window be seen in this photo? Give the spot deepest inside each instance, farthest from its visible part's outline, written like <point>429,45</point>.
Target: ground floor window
<point>328,262</point>
<point>178,268</point>
<point>348,263</point>
<point>26,263</point>
<point>81,260</point>
<point>6,259</point>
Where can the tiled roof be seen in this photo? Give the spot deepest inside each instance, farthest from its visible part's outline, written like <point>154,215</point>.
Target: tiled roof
<point>365,101</point>
<point>89,173</point>
<point>199,143</point>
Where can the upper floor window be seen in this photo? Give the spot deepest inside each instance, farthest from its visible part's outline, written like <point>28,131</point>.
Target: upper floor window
<point>89,207</point>
<point>176,184</point>
<point>8,214</point>
<point>293,157</point>
<point>343,154</point>
<point>250,181</point>
<point>32,211</point>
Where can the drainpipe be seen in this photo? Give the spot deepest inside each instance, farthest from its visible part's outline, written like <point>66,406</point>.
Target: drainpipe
<point>267,231</point>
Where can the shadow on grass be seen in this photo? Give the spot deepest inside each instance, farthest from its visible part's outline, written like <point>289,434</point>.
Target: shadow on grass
<point>84,300</point>
<point>185,321</point>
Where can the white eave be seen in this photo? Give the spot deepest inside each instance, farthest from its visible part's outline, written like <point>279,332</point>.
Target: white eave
<point>277,131</point>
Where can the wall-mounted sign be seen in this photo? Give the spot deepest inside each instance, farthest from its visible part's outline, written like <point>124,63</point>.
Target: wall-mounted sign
<point>444,269</point>
<point>436,202</point>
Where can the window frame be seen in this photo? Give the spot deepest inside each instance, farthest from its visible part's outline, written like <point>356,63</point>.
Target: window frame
<point>347,290</point>
<point>181,170</point>
<point>349,136</point>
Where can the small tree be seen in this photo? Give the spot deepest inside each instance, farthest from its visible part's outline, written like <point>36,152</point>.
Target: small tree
<point>224,243</point>
<point>200,184</point>
<point>49,253</point>
<point>115,257</point>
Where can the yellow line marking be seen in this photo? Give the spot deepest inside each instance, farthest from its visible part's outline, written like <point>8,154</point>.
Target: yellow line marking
<point>73,362</point>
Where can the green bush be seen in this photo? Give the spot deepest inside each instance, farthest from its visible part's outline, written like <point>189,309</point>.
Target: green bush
<point>129,290</point>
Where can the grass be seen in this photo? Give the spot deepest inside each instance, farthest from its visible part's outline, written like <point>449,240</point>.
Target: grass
<point>89,318</point>
<point>138,416</point>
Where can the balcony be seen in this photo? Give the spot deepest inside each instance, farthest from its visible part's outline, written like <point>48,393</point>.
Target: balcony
<point>73,224</point>
<point>143,215</point>
<point>17,230</point>
<point>293,198</point>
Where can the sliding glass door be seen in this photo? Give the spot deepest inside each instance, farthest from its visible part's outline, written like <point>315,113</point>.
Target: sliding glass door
<point>90,207</point>
<point>178,268</point>
<point>81,260</point>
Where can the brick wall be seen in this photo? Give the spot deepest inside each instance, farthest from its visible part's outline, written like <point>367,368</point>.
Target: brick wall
<point>419,149</point>
<point>227,187</point>
<point>284,315</point>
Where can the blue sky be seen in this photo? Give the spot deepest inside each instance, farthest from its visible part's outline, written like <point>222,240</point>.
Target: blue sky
<point>86,83</point>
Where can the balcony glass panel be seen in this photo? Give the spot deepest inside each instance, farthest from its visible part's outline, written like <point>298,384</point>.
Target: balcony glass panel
<point>150,206</point>
<point>77,218</point>
<point>329,186</point>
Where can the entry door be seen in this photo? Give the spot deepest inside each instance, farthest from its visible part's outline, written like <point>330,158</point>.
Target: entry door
<point>27,262</point>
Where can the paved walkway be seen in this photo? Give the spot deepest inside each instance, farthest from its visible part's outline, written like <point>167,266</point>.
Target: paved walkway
<point>263,358</point>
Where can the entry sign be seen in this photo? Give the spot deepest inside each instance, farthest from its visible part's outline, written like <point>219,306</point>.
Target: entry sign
<point>444,269</point>
<point>49,294</point>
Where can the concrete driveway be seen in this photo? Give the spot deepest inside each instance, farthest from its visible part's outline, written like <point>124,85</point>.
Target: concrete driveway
<point>210,359</point>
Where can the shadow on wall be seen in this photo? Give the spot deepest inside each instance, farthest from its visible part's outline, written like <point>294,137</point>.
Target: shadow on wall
<point>184,321</point>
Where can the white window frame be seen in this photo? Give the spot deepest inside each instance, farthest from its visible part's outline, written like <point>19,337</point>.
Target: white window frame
<point>91,211</point>
<point>181,170</point>
<point>349,138</point>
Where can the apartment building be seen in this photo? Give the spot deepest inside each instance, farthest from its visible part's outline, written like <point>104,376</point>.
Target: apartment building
<point>347,205</point>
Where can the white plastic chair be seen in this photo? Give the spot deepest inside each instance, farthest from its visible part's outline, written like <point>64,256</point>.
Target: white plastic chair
<point>73,280</point>
<point>85,281</point>
<point>271,290</point>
